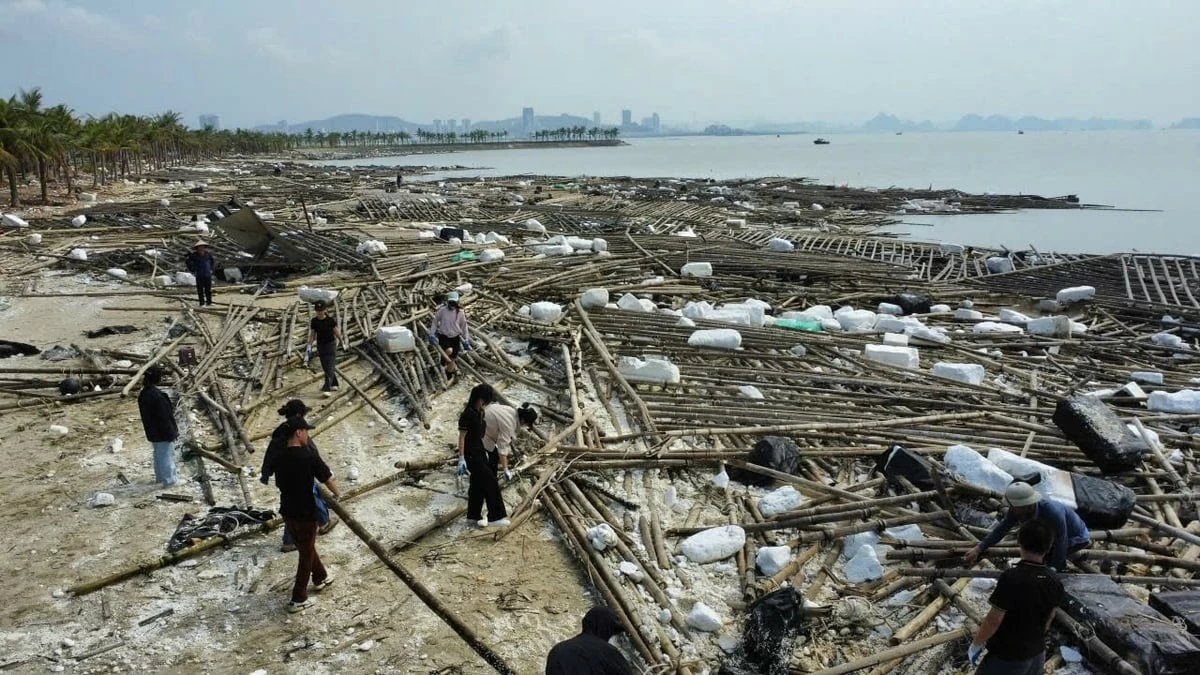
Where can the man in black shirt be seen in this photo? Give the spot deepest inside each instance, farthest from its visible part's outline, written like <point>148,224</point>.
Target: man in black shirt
<point>324,333</point>
<point>1022,608</point>
<point>295,469</point>
<point>589,653</point>
<point>158,421</point>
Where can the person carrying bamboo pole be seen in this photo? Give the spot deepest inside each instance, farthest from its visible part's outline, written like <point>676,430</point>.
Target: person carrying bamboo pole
<point>450,332</point>
<point>502,424</point>
<point>474,460</point>
<point>1025,505</point>
<point>323,333</point>
<point>295,469</point>
<point>590,653</point>
<point>1023,604</point>
<point>277,445</point>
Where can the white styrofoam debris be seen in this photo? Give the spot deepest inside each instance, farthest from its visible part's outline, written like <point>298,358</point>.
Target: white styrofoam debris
<point>971,467</point>
<point>750,391</point>
<point>594,298</point>
<point>631,570</point>
<point>117,272</point>
<point>395,339</point>
<point>696,269</point>
<point>1050,326</point>
<point>1069,654</point>
<point>545,312</point>
<point>33,239</point>
<point>968,314</point>
<point>185,278</point>
<point>488,255</point>
<point>779,500</point>
<point>831,325</point>
<point>928,334</point>
<point>939,309</point>
<point>554,250</point>
<point>721,480</point>
<point>735,223</point>
<point>716,338</point>
<point>780,245</point>
<point>902,357</point>
<point>1168,340</point>
<point>1013,316</point>
<point>855,320</point>
<point>533,225</point>
<point>967,373</point>
<point>889,323</point>
<point>999,265</point>
<point>1182,402</point>
<point>1146,377</point>
<point>163,280</point>
<point>1152,434</point>
<point>579,243</point>
<point>814,313</point>
<point>59,430</point>
<point>910,532</point>
<point>853,542</point>
<point>704,618</point>
<point>631,303</point>
<point>79,220</point>
<point>372,247</point>
<point>771,559</point>
<point>996,327</point>
<point>864,566</point>
<point>12,220</point>
<point>651,370</point>
<point>102,499</point>
<point>714,544</point>
<point>599,245</point>
<point>601,536</point>
<point>308,294</point>
<point>1131,390</point>
<point>1055,483</point>
<point>895,339</point>
<point>889,308</point>
<point>685,322</point>
<point>79,254</point>
<point>1075,294</point>
<point>164,202</point>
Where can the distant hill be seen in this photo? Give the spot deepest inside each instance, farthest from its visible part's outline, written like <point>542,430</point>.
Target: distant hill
<point>1002,123</point>
<point>1187,123</point>
<point>885,122</point>
<point>358,122</point>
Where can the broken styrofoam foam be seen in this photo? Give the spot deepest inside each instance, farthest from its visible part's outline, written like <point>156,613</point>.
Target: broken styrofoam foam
<point>973,468</point>
<point>631,303</point>
<point>59,430</point>
<point>888,323</point>
<point>599,245</point>
<point>308,294</point>
<point>651,370</point>
<point>488,255</point>
<point>33,239</point>
<point>163,280</point>
<point>185,279</point>
<point>910,532</point>
<point>545,312</point>
<point>1050,326</point>
<point>853,542</point>
<point>1075,294</point>
<point>735,223</point>
<point>855,320</point>
<point>117,272</point>
<point>714,544</point>
<point>1054,483</point>
<point>777,501</point>
<point>594,298</point>
<point>533,225</point>
<point>685,322</point>
<point>11,220</point>
<point>164,202</point>
<point>1013,316</point>
<point>902,357</point>
<point>939,309</point>
<point>967,373</point>
<point>721,480</point>
<point>1146,377</point>
<point>704,618</point>
<point>780,245</point>
<point>889,308</point>
<point>554,250</point>
<point>1168,340</point>
<point>895,339</point>
<point>631,570</point>
<point>814,313</point>
<point>996,327</point>
<point>79,220</point>
<point>601,536</point>
<point>928,334</point>
<point>395,339</point>
<point>750,391</point>
<point>771,559</point>
<point>696,269</point>
<point>79,254</point>
<point>864,566</point>
<point>372,247</point>
<point>716,338</point>
<point>968,314</point>
<point>1182,402</point>
<point>999,265</point>
<point>101,499</point>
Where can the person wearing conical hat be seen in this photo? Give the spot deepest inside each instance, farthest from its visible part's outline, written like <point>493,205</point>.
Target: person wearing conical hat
<point>201,264</point>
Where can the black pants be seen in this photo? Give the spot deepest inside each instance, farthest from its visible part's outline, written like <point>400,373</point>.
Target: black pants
<point>994,666</point>
<point>204,290</point>
<point>484,486</point>
<point>327,352</point>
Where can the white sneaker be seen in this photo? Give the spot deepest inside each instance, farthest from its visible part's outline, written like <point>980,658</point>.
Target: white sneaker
<point>294,607</point>
<point>503,522</point>
<point>327,394</point>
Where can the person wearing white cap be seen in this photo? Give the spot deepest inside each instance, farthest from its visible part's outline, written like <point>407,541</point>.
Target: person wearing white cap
<point>450,332</point>
<point>1025,504</point>
<point>201,264</point>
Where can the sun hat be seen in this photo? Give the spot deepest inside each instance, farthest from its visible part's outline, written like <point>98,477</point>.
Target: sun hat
<point>452,296</point>
<point>1021,494</point>
<point>199,243</point>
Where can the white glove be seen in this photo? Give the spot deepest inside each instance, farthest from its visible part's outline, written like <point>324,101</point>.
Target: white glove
<point>508,474</point>
<point>974,652</point>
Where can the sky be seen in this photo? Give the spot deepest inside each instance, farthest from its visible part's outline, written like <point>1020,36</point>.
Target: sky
<point>691,61</point>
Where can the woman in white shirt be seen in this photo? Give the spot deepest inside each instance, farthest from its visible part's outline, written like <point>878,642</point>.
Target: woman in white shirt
<point>502,423</point>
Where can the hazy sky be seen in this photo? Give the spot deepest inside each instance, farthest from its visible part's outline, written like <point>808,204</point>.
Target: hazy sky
<point>258,61</point>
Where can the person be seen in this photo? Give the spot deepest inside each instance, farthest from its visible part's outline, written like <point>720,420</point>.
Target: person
<point>1070,534</point>
<point>590,653</point>
<point>473,459</point>
<point>449,332</point>
<point>158,421</point>
<point>295,468</point>
<point>278,443</point>
<point>1023,604</point>
<point>201,264</point>
<point>502,422</point>
<point>323,332</point>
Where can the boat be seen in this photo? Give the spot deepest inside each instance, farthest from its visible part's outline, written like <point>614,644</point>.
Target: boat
<point>1020,132</point>
<point>820,141</point>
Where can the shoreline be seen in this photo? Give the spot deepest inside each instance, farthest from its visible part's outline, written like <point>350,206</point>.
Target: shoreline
<point>335,154</point>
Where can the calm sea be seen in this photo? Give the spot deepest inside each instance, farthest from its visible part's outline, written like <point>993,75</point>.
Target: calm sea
<point>1158,170</point>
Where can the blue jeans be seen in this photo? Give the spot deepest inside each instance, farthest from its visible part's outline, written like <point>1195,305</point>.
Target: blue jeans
<point>322,514</point>
<point>164,462</point>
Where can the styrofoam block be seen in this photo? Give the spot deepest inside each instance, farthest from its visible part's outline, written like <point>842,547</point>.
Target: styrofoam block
<point>910,532</point>
<point>831,325</point>
<point>1050,326</point>
<point>864,566</point>
<point>902,357</point>
<point>185,279</point>
<point>79,220</point>
<point>1146,377</point>
<point>685,322</point>
<point>554,250</point>
<point>777,501</point>
<point>750,391</point>
<point>594,298</point>
<point>939,309</point>
<point>579,243</point>
<point>856,320</point>
<point>771,559</point>
<point>968,314</point>
<point>163,280</point>
<point>888,323</point>
<point>1055,483</point>
<point>491,255</point>
<point>967,373</point>
<point>853,542</point>
<point>996,327</point>
<point>630,303</point>
<point>999,265</point>
<point>1168,340</point>
<point>1184,401</point>
<point>780,245</point>
<point>735,223</point>
<point>714,544</point>
<point>704,618</point>
<point>117,272</point>
<point>33,239</point>
<point>889,308</point>
<point>895,339</point>
<point>928,334</point>
<point>697,310</point>
<point>79,254</point>
<point>599,245</point>
<point>648,305</point>
<point>309,294</point>
<point>973,468</point>
<point>1150,433</point>
<point>696,269</point>
<point>545,312</point>
<point>814,313</point>
<point>651,370</point>
<point>395,339</point>
<point>716,338</point>
<point>12,220</point>
<point>601,536</point>
<point>1013,316</point>
<point>1075,294</point>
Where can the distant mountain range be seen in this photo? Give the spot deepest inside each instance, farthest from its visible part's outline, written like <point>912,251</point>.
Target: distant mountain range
<point>356,122</point>
<point>885,122</point>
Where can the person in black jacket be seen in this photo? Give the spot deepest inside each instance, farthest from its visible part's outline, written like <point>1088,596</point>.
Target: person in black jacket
<point>292,409</point>
<point>590,653</point>
<point>323,333</point>
<point>158,421</point>
<point>201,264</point>
<point>474,459</point>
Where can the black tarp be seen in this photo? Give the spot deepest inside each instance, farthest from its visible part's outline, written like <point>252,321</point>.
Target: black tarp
<point>1090,424</point>
<point>900,461</point>
<point>774,620</point>
<point>1184,605</point>
<point>9,348</point>
<point>912,303</point>
<point>1102,504</point>
<point>774,452</point>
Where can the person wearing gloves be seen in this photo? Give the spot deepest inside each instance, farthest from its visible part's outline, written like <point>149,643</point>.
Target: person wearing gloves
<point>473,460</point>
<point>1025,505</point>
<point>1023,604</point>
<point>502,424</point>
<point>324,334</point>
<point>590,652</point>
<point>449,332</point>
<point>292,409</point>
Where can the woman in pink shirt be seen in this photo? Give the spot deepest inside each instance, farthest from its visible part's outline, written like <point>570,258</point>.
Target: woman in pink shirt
<point>449,332</point>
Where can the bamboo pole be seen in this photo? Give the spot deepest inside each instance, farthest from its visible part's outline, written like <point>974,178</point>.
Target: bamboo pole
<point>894,653</point>
<point>150,362</point>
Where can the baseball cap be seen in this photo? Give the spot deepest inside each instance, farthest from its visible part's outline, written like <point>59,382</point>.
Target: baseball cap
<point>452,296</point>
<point>1021,494</point>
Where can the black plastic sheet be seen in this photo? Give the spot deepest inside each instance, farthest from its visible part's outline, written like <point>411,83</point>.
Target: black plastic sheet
<point>1182,605</point>
<point>774,452</point>
<point>1102,504</point>
<point>1091,425</point>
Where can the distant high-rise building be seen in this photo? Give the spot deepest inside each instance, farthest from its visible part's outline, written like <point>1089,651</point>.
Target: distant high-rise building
<point>626,118</point>
<point>451,125</point>
<point>466,125</point>
<point>654,121</point>
<point>596,118</point>
<point>527,121</point>
<point>437,126</point>
<point>282,124</point>
<point>210,122</point>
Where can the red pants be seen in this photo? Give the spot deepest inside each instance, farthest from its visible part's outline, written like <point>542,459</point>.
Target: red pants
<point>304,535</point>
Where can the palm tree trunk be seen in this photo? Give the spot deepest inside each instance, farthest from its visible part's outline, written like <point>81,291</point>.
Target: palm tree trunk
<point>42,178</point>
<point>14,200</point>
